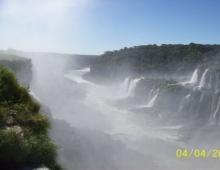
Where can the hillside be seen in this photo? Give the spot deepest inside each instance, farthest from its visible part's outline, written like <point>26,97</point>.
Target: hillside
<point>147,59</point>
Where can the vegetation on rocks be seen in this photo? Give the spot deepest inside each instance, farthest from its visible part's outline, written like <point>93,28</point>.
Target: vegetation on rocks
<point>23,131</point>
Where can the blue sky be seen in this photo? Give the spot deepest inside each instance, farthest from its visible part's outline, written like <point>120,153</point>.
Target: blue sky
<point>95,26</point>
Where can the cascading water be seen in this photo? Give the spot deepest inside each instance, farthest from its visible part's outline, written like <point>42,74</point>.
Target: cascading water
<point>213,118</point>
<point>210,82</point>
<point>152,101</point>
<point>33,94</point>
<point>150,94</point>
<point>216,85</point>
<point>203,79</point>
<point>132,86</point>
<point>128,86</point>
<point>194,77</point>
<point>125,85</point>
<point>199,105</point>
<point>214,103</point>
<point>183,103</point>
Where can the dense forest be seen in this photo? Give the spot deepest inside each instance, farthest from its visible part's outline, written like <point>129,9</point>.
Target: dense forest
<point>165,59</point>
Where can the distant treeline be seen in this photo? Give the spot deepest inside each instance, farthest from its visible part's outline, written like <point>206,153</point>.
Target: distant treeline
<point>72,61</point>
<point>80,61</point>
<point>145,59</point>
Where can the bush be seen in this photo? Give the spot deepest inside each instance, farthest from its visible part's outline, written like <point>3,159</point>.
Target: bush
<point>36,123</point>
<point>12,148</point>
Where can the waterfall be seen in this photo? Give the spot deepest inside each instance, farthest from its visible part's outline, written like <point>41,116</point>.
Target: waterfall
<point>150,94</point>
<point>214,102</point>
<point>216,85</point>
<point>33,94</point>
<point>128,86</point>
<point>210,82</point>
<point>125,85</point>
<point>132,86</point>
<point>183,103</point>
<point>194,77</point>
<point>187,97</point>
<point>199,105</point>
<point>152,101</point>
<point>214,117</point>
<point>203,79</point>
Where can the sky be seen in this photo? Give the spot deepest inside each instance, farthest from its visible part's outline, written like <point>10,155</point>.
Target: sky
<point>96,26</point>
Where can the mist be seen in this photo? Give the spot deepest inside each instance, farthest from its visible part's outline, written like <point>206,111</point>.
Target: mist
<point>114,105</point>
<point>117,125</point>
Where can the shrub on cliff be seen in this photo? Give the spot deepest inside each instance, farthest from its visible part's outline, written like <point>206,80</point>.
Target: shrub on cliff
<point>23,131</point>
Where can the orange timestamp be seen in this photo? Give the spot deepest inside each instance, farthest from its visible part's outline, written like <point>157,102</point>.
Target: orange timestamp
<point>214,153</point>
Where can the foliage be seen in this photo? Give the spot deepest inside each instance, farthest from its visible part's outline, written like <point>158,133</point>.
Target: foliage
<point>30,144</point>
<point>152,58</point>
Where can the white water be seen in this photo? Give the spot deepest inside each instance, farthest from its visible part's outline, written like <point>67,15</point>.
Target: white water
<point>76,75</point>
<point>187,97</point>
<point>216,85</point>
<point>122,124</point>
<point>131,128</point>
<point>150,94</point>
<point>200,101</point>
<point>128,87</point>
<point>214,116</point>
<point>210,82</point>
<point>152,100</point>
<point>125,85</point>
<point>34,95</point>
<point>183,103</point>
<point>194,77</point>
<point>213,106</point>
<point>132,86</point>
<point>203,79</point>
<point>151,103</point>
